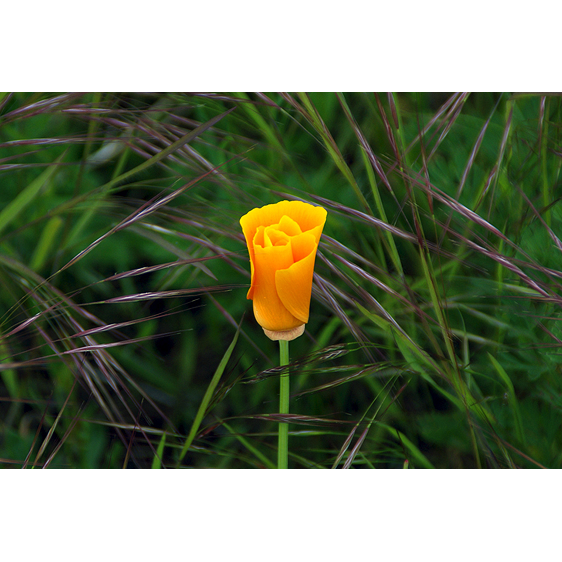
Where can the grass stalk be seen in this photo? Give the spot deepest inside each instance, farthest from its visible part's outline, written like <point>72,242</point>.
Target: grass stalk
<point>207,398</point>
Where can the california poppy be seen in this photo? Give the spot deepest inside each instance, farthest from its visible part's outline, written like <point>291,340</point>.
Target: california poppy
<point>282,241</point>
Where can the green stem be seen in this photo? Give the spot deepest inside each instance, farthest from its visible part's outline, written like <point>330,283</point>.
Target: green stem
<point>283,450</point>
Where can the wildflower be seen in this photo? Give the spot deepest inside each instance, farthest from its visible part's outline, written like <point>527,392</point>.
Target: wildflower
<point>282,241</point>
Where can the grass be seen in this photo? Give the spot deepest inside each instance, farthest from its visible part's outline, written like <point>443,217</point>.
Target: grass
<point>434,336</point>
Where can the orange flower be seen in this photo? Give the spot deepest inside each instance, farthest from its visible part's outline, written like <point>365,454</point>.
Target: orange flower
<point>282,241</point>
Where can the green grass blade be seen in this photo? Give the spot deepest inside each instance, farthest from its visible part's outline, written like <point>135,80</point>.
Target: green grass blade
<point>157,460</point>
<point>512,398</point>
<point>208,395</point>
<point>409,446</point>
<point>259,120</point>
<point>415,356</point>
<point>86,217</point>
<point>254,450</point>
<point>28,195</point>
<point>332,148</point>
<point>46,246</point>
<point>11,381</point>
<point>392,250</point>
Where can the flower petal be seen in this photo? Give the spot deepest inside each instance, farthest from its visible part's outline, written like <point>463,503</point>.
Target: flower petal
<point>282,241</point>
<point>275,237</point>
<point>294,284</point>
<point>269,311</point>
<point>289,226</point>
<point>306,216</point>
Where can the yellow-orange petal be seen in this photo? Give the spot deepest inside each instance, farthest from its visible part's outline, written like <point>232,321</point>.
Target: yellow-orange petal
<point>275,237</point>
<point>306,216</point>
<point>257,239</point>
<point>289,226</point>
<point>269,311</point>
<point>281,290</point>
<point>294,284</point>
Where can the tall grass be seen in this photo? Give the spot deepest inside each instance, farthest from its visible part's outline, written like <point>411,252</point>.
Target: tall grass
<point>126,339</point>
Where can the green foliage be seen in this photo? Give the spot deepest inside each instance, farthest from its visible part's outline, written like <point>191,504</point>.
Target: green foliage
<point>434,335</point>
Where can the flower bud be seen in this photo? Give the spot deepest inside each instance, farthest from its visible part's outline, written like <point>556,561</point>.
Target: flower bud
<point>282,242</point>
